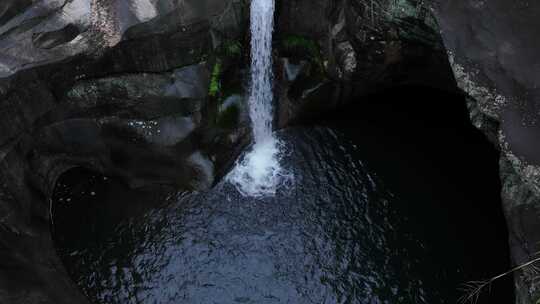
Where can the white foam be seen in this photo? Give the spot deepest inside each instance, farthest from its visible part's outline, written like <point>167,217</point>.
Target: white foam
<point>259,172</point>
<point>144,10</point>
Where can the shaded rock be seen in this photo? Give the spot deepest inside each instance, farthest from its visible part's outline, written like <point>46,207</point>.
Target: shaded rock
<point>125,90</point>
<point>205,167</point>
<point>306,18</point>
<point>169,131</point>
<point>11,8</point>
<point>80,93</point>
<point>232,112</point>
<point>162,52</point>
<point>226,17</point>
<point>494,60</point>
<point>190,82</point>
<point>346,58</point>
<point>104,24</point>
<point>292,70</point>
<point>52,39</point>
<point>361,47</point>
<point>23,27</point>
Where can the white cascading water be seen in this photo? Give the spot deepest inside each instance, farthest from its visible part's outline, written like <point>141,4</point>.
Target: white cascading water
<point>259,172</point>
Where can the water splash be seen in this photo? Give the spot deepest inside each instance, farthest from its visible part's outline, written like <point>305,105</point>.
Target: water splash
<point>259,172</point>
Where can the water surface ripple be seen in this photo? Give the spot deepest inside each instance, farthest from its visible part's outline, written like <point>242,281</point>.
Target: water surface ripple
<point>335,236</point>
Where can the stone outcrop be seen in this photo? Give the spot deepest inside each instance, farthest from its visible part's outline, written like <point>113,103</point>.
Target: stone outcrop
<point>355,48</point>
<point>494,57</point>
<point>121,87</point>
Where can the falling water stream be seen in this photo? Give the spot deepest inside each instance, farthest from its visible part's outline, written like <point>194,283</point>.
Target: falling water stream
<point>259,173</point>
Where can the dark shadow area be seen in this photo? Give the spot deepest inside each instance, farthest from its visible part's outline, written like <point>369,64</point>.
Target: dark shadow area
<point>87,207</point>
<point>421,142</point>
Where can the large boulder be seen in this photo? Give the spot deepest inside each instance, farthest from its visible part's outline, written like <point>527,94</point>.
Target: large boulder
<point>121,87</point>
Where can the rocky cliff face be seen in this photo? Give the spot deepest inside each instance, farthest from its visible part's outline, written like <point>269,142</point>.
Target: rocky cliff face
<point>151,91</point>
<point>122,87</point>
<point>495,61</point>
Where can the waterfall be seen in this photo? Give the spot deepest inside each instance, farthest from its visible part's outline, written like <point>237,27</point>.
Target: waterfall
<point>260,93</point>
<point>259,172</point>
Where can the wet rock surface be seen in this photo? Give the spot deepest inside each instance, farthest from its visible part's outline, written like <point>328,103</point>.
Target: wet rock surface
<point>495,62</point>
<point>354,48</point>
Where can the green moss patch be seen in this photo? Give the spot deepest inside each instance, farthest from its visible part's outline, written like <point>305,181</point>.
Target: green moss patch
<point>296,46</point>
<point>215,79</point>
<point>231,48</point>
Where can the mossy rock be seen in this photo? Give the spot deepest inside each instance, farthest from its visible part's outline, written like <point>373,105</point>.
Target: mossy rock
<point>227,57</point>
<point>298,47</point>
<point>232,48</point>
<point>215,79</point>
<point>299,44</point>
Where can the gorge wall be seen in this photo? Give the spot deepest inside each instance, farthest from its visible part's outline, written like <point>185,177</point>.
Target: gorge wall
<point>493,56</point>
<point>152,91</point>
